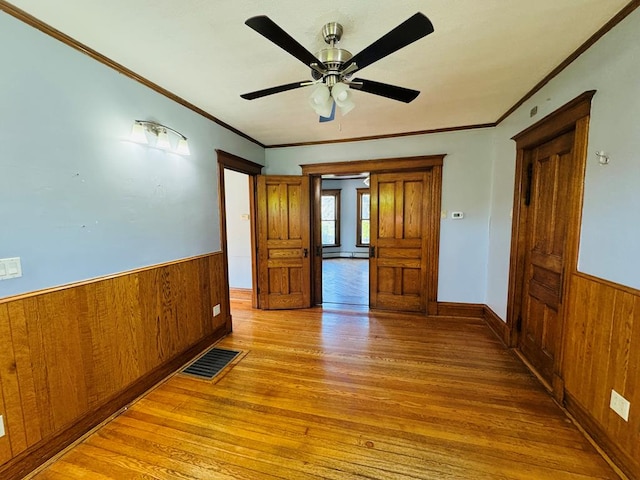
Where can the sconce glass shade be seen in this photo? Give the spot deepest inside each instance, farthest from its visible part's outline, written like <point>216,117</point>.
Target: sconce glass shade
<point>137,134</point>
<point>341,94</point>
<point>163,141</point>
<point>321,101</point>
<point>183,147</point>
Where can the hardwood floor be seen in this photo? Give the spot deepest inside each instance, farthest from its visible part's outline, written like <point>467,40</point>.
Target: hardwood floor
<point>329,393</point>
<point>345,281</point>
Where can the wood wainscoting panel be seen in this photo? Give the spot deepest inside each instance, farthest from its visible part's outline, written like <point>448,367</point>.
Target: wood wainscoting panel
<point>76,355</point>
<point>602,352</point>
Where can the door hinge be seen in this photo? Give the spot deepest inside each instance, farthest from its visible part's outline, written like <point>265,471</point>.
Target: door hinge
<point>372,252</point>
<point>318,251</point>
<point>529,181</point>
<point>519,324</point>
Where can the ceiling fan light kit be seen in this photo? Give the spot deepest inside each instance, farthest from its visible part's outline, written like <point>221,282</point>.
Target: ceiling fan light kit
<point>332,68</point>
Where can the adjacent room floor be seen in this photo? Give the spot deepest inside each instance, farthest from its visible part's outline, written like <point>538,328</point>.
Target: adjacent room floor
<point>345,281</point>
<point>339,394</point>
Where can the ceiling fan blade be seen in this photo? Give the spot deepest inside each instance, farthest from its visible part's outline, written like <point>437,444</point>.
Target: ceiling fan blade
<point>394,92</point>
<point>268,29</point>
<point>272,90</point>
<point>407,32</point>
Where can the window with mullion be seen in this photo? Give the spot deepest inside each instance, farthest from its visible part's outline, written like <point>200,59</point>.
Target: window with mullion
<point>330,218</point>
<point>363,235</point>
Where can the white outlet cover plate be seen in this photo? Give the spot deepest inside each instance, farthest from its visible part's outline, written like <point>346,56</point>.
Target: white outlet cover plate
<point>620,405</point>
<point>2,432</point>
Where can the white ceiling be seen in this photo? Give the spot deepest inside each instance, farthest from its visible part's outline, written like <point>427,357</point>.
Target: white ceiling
<point>483,57</point>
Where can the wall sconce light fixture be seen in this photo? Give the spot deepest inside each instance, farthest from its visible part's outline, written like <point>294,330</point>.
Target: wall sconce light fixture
<point>139,135</point>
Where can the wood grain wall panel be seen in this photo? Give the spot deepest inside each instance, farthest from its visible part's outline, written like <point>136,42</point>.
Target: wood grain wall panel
<point>5,442</point>
<point>24,369</point>
<point>72,351</point>
<point>61,314</point>
<point>602,352</point>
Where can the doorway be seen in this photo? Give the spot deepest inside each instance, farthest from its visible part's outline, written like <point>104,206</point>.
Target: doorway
<point>237,219</point>
<point>345,221</point>
<point>550,167</point>
<point>404,225</point>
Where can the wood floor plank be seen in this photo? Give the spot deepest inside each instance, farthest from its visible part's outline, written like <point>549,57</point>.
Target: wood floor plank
<point>345,394</point>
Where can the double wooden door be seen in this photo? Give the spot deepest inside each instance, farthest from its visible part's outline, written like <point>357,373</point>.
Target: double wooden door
<point>551,171</point>
<point>405,220</point>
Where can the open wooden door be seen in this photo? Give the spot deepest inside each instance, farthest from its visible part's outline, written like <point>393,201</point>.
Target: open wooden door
<point>284,279</point>
<point>400,234</point>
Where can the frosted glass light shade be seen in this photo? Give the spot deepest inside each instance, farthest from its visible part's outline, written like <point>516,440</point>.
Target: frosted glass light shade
<point>183,147</point>
<point>321,101</point>
<point>163,141</point>
<point>137,134</point>
<point>341,94</point>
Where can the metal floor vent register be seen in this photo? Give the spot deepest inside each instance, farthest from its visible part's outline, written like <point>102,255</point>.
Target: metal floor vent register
<point>211,363</point>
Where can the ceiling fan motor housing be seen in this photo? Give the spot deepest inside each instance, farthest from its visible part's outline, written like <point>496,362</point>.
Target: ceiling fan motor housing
<point>334,58</point>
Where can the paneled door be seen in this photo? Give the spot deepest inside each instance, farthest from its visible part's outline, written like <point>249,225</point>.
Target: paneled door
<point>400,223</point>
<point>283,242</point>
<point>551,167</point>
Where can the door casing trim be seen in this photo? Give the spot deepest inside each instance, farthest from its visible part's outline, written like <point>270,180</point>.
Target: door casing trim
<point>572,116</point>
<point>384,165</point>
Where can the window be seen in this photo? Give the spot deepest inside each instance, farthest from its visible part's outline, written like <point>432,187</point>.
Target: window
<point>330,218</point>
<point>364,218</point>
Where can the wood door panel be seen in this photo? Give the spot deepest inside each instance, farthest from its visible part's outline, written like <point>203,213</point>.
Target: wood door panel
<point>293,252</point>
<point>399,253</point>
<point>547,261</point>
<point>400,262</point>
<point>552,169</point>
<point>546,296</point>
<point>284,279</point>
<point>549,279</point>
<point>412,203</point>
<point>399,221</point>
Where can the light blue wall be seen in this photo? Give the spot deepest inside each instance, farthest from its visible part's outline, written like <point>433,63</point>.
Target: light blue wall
<point>610,233</point>
<point>77,199</point>
<point>465,187</point>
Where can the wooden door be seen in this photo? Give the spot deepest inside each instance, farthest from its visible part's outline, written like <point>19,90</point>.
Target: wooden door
<point>398,263</point>
<point>284,279</point>
<point>551,168</point>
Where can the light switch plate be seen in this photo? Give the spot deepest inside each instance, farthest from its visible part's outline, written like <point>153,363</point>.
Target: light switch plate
<point>10,268</point>
<point>2,432</point>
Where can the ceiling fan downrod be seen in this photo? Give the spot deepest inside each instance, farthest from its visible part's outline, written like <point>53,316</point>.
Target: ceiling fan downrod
<point>333,58</point>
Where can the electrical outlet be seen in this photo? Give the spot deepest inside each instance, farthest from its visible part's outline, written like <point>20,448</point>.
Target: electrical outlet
<point>216,310</point>
<point>2,432</point>
<point>620,405</point>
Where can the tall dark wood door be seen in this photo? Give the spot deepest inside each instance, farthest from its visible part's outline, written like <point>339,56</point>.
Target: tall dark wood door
<point>551,169</point>
<point>283,242</point>
<point>398,263</point>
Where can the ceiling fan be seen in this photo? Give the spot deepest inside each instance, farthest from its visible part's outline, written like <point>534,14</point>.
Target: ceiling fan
<point>333,67</point>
